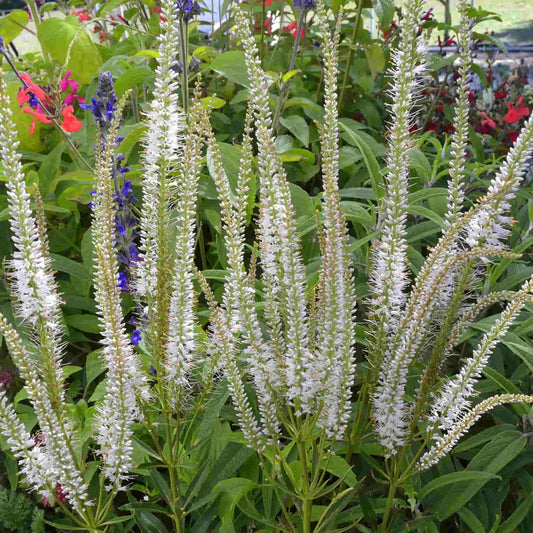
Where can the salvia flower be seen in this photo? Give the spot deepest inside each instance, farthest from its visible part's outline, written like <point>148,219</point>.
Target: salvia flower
<point>136,337</point>
<point>188,9</point>
<point>104,105</point>
<point>104,108</point>
<point>36,100</point>
<point>304,5</point>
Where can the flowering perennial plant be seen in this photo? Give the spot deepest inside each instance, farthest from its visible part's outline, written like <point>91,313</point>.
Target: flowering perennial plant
<point>283,348</point>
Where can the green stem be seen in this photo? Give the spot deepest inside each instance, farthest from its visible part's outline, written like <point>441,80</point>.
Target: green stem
<point>362,402</point>
<point>184,57</point>
<point>37,20</point>
<point>261,54</point>
<point>388,509</point>
<point>351,52</point>
<point>284,91</point>
<point>307,502</point>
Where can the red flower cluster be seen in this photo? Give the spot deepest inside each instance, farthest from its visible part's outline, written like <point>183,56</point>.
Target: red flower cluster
<point>34,100</point>
<point>268,26</point>
<point>516,113</point>
<point>293,28</point>
<point>82,15</point>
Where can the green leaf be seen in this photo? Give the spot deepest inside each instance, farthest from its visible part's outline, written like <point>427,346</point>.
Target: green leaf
<point>93,367</point>
<point>371,163</point>
<point>419,162</point>
<point>302,202</point>
<point>11,466</point>
<point>298,127</point>
<point>356,212</point>
<point>455,477</point>
<point>311,109</point>
<point>477,144</point>
<point>232,65</point>
<point>338,466</point>
<point>491,458</point>
<point>12,24</point>
<point>376,59</point>
<point>507,386</point>
<point>116,520</point>
<point>132,138</point>
<point>510,525</point>
<point>231,157</point>
<point>212,102</point>
<point>67,42</point>
<point>482,437</point>
<point>68,370</point>
<point>232,457</point>
<point>521,349</point>
<point>133,77</point>
<point>49,170</point>
<point>471,520</point>
<point>385,12</point>
<point>63,264</point>
<point>87,323</point>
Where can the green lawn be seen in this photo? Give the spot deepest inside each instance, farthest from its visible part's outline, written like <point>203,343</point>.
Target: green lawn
<point>517,18</point>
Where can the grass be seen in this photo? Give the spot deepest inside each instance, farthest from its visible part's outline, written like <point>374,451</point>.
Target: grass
<point>517,18</point>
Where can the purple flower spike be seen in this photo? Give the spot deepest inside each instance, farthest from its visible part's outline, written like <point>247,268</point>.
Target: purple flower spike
<point>153,370</point>
<point>123,281</point>
<point>136,337</point>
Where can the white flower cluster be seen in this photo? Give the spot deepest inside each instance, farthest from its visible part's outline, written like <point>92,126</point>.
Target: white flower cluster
<point>162,152</point>
<point>388,277</point>
<point>479,230</point>
<point>444,444</point>
<point>52,461</point>
<point>296,363</point>
<point>125,378</point>
<point>389,270</point>
<point>454,397</point>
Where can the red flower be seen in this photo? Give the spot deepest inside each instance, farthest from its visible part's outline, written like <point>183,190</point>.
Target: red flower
<point>38,116</point>
<point>157,9</point>
<point>30,86</point>
<point>268,2</point>
<point>268,26</point>
<point>82,15</point>
<point>500,94</point>
<point>488,121</point>
<point>512,136</point>
<point>46,109</point>
<point>293,28</point>
<point>70,122</point>
<point>516,113</point>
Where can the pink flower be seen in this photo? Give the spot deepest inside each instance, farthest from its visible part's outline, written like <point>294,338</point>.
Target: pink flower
<point>488,121</point>
<point>67,82</point>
